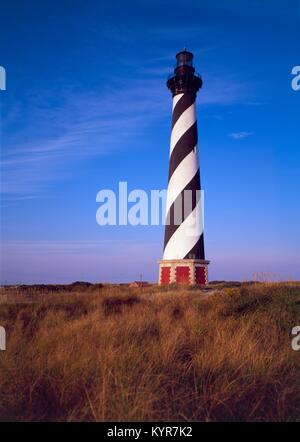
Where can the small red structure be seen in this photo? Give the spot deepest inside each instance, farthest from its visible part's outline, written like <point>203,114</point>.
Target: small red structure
<point>139,284</point>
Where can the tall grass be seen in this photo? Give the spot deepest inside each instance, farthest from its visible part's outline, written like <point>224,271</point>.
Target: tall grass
<point>130,355</point>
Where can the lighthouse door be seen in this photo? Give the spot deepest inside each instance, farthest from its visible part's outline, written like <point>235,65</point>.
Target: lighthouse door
<point>200,275</point>
<point>182,275</point>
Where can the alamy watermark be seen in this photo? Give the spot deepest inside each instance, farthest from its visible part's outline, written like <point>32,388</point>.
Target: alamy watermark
<point>2,79</point>
<point>296,80</point>
<point>139,207</point>
<point>296,340</point>
<point>2,338</point>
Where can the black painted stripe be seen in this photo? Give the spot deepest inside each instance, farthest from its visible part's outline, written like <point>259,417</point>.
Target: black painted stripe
<point>182,105</point>
<point>197,252</point>
<point>180,208</point>
<point>183,147</point>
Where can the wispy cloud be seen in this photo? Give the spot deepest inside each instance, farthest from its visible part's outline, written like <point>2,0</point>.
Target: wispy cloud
<point>240,135</point>
<point>64,126</point>
<point>81,126</point>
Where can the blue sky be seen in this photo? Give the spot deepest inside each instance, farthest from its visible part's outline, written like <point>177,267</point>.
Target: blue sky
<point>86,106</point>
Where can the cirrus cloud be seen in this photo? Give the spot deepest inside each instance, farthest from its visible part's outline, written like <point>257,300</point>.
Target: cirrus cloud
<point>240,135</point>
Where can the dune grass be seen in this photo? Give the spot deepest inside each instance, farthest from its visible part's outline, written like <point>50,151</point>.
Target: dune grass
<point>120,354</point>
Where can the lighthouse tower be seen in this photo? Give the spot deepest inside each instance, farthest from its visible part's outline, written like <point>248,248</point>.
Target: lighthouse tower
<point>184,258</point>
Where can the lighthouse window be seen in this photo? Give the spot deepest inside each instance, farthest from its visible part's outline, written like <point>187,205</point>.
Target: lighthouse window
<point>184,59</point>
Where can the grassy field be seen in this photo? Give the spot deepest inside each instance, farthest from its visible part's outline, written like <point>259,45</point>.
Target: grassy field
<point>109,353</point>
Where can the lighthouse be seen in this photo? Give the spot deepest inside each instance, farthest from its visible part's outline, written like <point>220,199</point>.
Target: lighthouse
<point>184,257</point>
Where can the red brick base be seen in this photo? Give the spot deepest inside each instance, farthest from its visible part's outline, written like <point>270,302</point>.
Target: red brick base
<point>183,271</point>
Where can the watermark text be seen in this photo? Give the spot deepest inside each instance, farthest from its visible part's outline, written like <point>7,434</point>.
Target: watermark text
<point>155,207</point>
<point>2,338</point>
<point>2,79</point>
<point>296,340</point>
<point>296,80</point>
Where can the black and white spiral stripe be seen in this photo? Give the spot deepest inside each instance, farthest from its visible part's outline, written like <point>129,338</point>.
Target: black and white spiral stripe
<point>180,241</point>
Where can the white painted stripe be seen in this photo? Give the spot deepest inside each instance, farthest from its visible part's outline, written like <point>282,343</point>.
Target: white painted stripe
<point>184,122</point>
<point>186,236</point>
<point>176,99</point>
<point>182,175</point>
